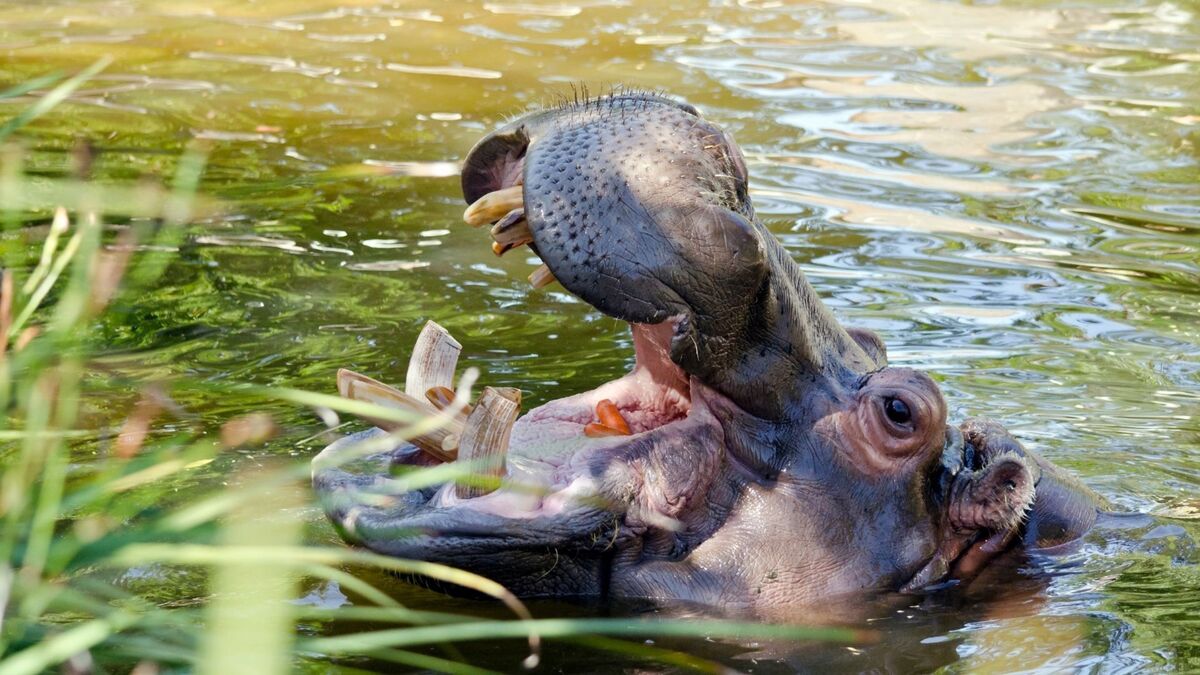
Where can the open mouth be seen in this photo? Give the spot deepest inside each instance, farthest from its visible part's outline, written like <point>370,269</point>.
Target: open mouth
<point>559,455</point>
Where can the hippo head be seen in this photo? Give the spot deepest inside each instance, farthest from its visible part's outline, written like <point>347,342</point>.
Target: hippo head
<point>771,456</point>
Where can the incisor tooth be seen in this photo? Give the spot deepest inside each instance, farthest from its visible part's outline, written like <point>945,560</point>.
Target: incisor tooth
<point>358,387</point>
<point>484,439</point>
<point>509,234</point>
<point>542,277</point>
<point>493,205</point>
<point>433,360</point>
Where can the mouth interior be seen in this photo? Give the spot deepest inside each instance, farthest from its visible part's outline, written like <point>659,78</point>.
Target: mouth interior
<point>652,395</point>
<point>551,463</point>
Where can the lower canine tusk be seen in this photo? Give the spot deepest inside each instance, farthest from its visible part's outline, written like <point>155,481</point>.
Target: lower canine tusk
<point>484,440</point>
<point>438,443</point>
<point>433,360</point>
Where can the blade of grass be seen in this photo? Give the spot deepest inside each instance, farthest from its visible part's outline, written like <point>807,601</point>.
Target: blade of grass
<point>381,615</point>
<point>179,207</point>
<point>649,652</point>
<point>31,85</point>
<point>249,621</point>
<point>195,554</point>
<point>58,225</point>
<point>427,662</point>
<point>59,648</point>
<point>157,471</point>
<point>54,472</point>
<point>60,263</point>
<point>46,194</point>
<point>70,312</point>
<point>549,628</point>
<point>214,506</point>
<point>53,98</point>
<point>46,433</point>
<point>20,475</point>
<point>353,584</point>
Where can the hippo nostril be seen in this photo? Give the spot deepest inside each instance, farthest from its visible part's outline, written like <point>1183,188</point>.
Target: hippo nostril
<point>494,163</point>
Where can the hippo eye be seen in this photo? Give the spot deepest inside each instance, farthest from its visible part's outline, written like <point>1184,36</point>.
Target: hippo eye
<point>897,411</point>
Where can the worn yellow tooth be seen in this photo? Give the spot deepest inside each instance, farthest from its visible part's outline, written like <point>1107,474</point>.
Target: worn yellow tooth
<point>542,277</point>
<point>494,205</point>
<point>484,439</point>
<point>510,235</point>
<point>511,393</point>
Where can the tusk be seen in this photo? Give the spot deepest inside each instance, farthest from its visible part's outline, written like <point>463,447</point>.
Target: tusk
<point>542,277</point>
<point>433,360</point>
<point>494,205</point>
<point>484,440</point>
<point>437,442</point>
<point>511,393</point>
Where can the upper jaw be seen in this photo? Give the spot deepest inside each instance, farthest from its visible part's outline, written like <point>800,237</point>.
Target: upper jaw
<point>640,207</point>
<point>584,189</point>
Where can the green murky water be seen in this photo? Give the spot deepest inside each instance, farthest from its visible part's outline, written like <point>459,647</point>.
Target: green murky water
<point>1009,192</point>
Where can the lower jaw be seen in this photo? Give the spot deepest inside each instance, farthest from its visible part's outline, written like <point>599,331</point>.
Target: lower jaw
<point>551,462</point>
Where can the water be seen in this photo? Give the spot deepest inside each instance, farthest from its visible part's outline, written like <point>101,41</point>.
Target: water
<point>1008,192</point>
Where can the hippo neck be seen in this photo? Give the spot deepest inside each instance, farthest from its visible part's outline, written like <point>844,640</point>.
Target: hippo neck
<point>791,344</point>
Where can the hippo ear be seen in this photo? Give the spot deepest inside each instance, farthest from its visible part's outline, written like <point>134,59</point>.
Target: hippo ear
<point>871,343</point>
<point>997,496</point>
<point>1006,480</point>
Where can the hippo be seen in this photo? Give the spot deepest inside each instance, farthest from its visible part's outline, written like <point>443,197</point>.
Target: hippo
<point>759,456</point>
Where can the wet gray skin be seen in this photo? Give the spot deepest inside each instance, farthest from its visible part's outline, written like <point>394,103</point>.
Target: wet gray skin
<point>776,460</point>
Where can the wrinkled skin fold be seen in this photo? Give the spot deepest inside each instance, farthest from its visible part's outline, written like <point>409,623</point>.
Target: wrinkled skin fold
<point>775,459</point>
